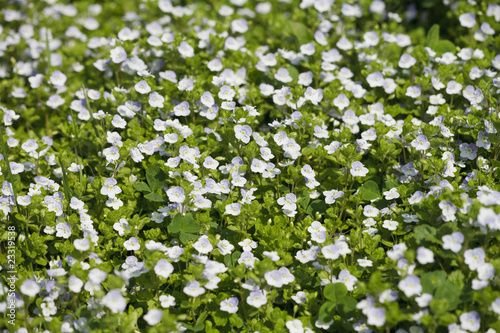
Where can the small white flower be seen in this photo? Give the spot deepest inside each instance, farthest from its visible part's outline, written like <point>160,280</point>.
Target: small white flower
<point>30,288</point>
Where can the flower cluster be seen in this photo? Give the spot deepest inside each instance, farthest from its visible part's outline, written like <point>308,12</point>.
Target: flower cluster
<point>242,166</point>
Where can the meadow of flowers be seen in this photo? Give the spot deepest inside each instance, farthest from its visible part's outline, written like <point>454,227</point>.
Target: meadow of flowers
<point>250,166</point>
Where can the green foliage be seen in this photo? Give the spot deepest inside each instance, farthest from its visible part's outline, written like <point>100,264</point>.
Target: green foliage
<point>275,206</point>
<point>185,226</point>
<point>369,190</point>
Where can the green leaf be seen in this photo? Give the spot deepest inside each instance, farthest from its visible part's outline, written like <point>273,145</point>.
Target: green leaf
<point>346,305</point>
<point>227,261</point>
<point>41,261</point>
<point>437,45</point>
<point>304,200</point>
<point>154,197</point>
<point>299,30</point>
<point>186,238</point>
<point>201,318</point>
<point>235,256</point>
<point>130,320</point>
<point>316,206</point>
<point>432,280</point>
<point>156,178</point>
<point>335,291</point>
<point>65,180</point>
<point>219,318</point>
<point>141,186</point>
<point>390,184</point>
<point>146,119</point>
<point>195,328</point>
<point>449,292</point>
<point>370,190</point>
<point>425,232</point>
<point>176,224</point>
<point>184,224</point>
<point>432,36</point>
<point>294,73</point>
<point>144,295</point>
<point>327,311</point>
<point>444,46</point>
<point>457,278</point>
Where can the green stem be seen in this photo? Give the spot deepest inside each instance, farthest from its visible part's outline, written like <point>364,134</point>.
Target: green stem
<point>65,180</point>
<point>47,48</point>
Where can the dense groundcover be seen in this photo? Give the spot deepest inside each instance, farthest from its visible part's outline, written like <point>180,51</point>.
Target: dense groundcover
<point>243,166</point>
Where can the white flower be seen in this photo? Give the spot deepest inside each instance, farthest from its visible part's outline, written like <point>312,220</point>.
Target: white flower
<point>97,276</point>
<point>142,87</point>
<point>341,101</point>
<point>256,298</point>
<point>136,155</point>
<point>424,300</point>
<point>407,61</point>
<point>110,188</point>
<point>186,50</point>
<point>63,230</point>
<point>82,244</point>
<point>203,245</point>
<point>370,211</point>
<point>467,20</point>
<point>470,321</point>
<point>233,209</point>
<point>425,256</point>
<point>132,244</point>
<point>453,87</point>
<point>410,285</point>
<point>243,133</point>
<point>421,143</point>
<point>193,289</point>
<point>391,194</point>
<point>176,194</point>
<point>288,201</point>
<point>485,271</point>
<point>75,284</point>
<point>474,257</point>
<point>156,100</point>
<point>207,99</point>
<point>453,242</point>
<point>295,326</point>
<point>58,78</point>
<point>300,297</point>
<point>247,244</point>
<point>331,251</point>
<point>153,317</point>
<point>282,75</point>
<point>365,262</point>
<point>115,203</point>
<point>16,168</point>
<point>248,259</point>
<point>347,278</point>
<point>225,247</point>
<point>375,79</point>
<point>413,91</point>
<point>358,169</point>
<point>167,301</point>
<point>24,200</point>
<point>229,305</point>
<point>118,54</point>
<point>30,288</point>
<point>121,226</point>
<point>163,268</point>
<point>376,316</point>
<point>114,301</point>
